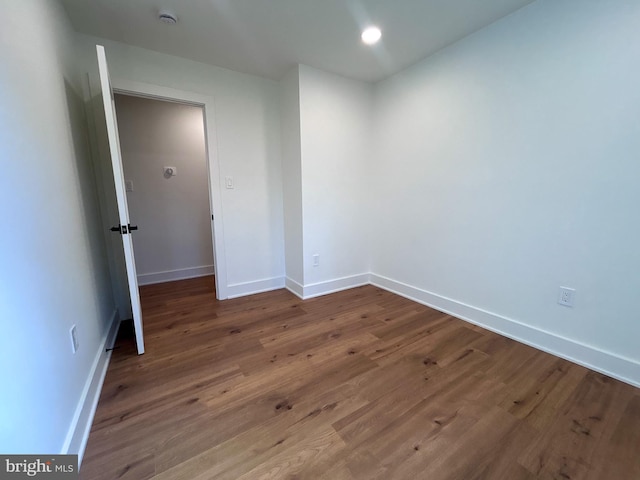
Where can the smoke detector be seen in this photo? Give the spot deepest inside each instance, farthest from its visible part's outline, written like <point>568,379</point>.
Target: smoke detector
<point>167,17</point>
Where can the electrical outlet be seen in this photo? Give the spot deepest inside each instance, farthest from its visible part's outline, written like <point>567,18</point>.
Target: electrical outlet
<point>316,260</point>
<point>566,296</point>
<point>74,339</point>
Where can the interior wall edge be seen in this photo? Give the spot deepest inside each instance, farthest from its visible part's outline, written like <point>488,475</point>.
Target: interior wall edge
<point>294,287</point>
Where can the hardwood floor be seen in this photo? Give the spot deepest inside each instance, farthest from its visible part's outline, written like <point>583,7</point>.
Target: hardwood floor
<point>360,384</point>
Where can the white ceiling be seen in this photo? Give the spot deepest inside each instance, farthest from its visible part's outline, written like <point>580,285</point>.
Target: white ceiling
<point>268,37</point>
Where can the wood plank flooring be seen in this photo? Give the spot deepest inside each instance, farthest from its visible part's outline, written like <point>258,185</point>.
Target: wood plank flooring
<point>360,384</point>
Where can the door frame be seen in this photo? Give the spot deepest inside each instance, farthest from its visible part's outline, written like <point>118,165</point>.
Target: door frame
<point>206,102</point>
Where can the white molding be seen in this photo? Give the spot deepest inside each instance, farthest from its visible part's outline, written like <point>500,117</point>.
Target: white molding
<point>318,289</point>
<point>258,286</point>
<point>78,433</point>
<point>336,285</point>
<point>171,275</point>
<point>608,363</point>
<point>294,287</point>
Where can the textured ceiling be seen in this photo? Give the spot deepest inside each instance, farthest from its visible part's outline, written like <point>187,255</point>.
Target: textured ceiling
<point>268,37</point>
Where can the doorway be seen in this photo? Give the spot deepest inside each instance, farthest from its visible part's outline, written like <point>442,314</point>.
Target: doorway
<point>164,155</point>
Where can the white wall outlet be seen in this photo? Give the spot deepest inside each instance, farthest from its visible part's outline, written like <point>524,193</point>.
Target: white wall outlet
<point>228,182</point>
<point>566,296</point>
<point>169,171</point>
<point>74,339</point>
<point>128,185</point>
<point>316,260</point>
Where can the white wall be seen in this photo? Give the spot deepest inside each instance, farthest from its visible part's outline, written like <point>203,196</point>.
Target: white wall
<point>247,138</point>
<point>507,165</point>
<point>335,120</point>
<point>292,178</point>
<point>54,272</point>
<point>172,213</point>
<point>501,168</point>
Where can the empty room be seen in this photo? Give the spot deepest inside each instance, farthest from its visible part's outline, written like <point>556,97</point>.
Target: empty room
<point>345,239</point>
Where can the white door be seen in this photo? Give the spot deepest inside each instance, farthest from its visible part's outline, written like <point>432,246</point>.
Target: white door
<point>125,227</point>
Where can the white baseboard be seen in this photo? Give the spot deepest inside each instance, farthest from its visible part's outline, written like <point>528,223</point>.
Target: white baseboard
<point>616,366</point>
<point>336,285</point>
<point>624,369</point>
<point>78,433</point>
<point>258,286</point>
<point>294,287</point>
<point>303,291</point>
<point>324,288</point>
<point>171,275</point>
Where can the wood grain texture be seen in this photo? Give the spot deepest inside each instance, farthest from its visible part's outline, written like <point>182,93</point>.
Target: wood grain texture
<point>360,384</point>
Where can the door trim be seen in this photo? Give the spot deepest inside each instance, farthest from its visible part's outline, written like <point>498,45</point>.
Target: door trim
<point>206,102</point>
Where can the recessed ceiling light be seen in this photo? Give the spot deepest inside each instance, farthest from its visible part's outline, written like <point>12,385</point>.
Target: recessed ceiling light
<point>167,17</point>
<point>371,35</point>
